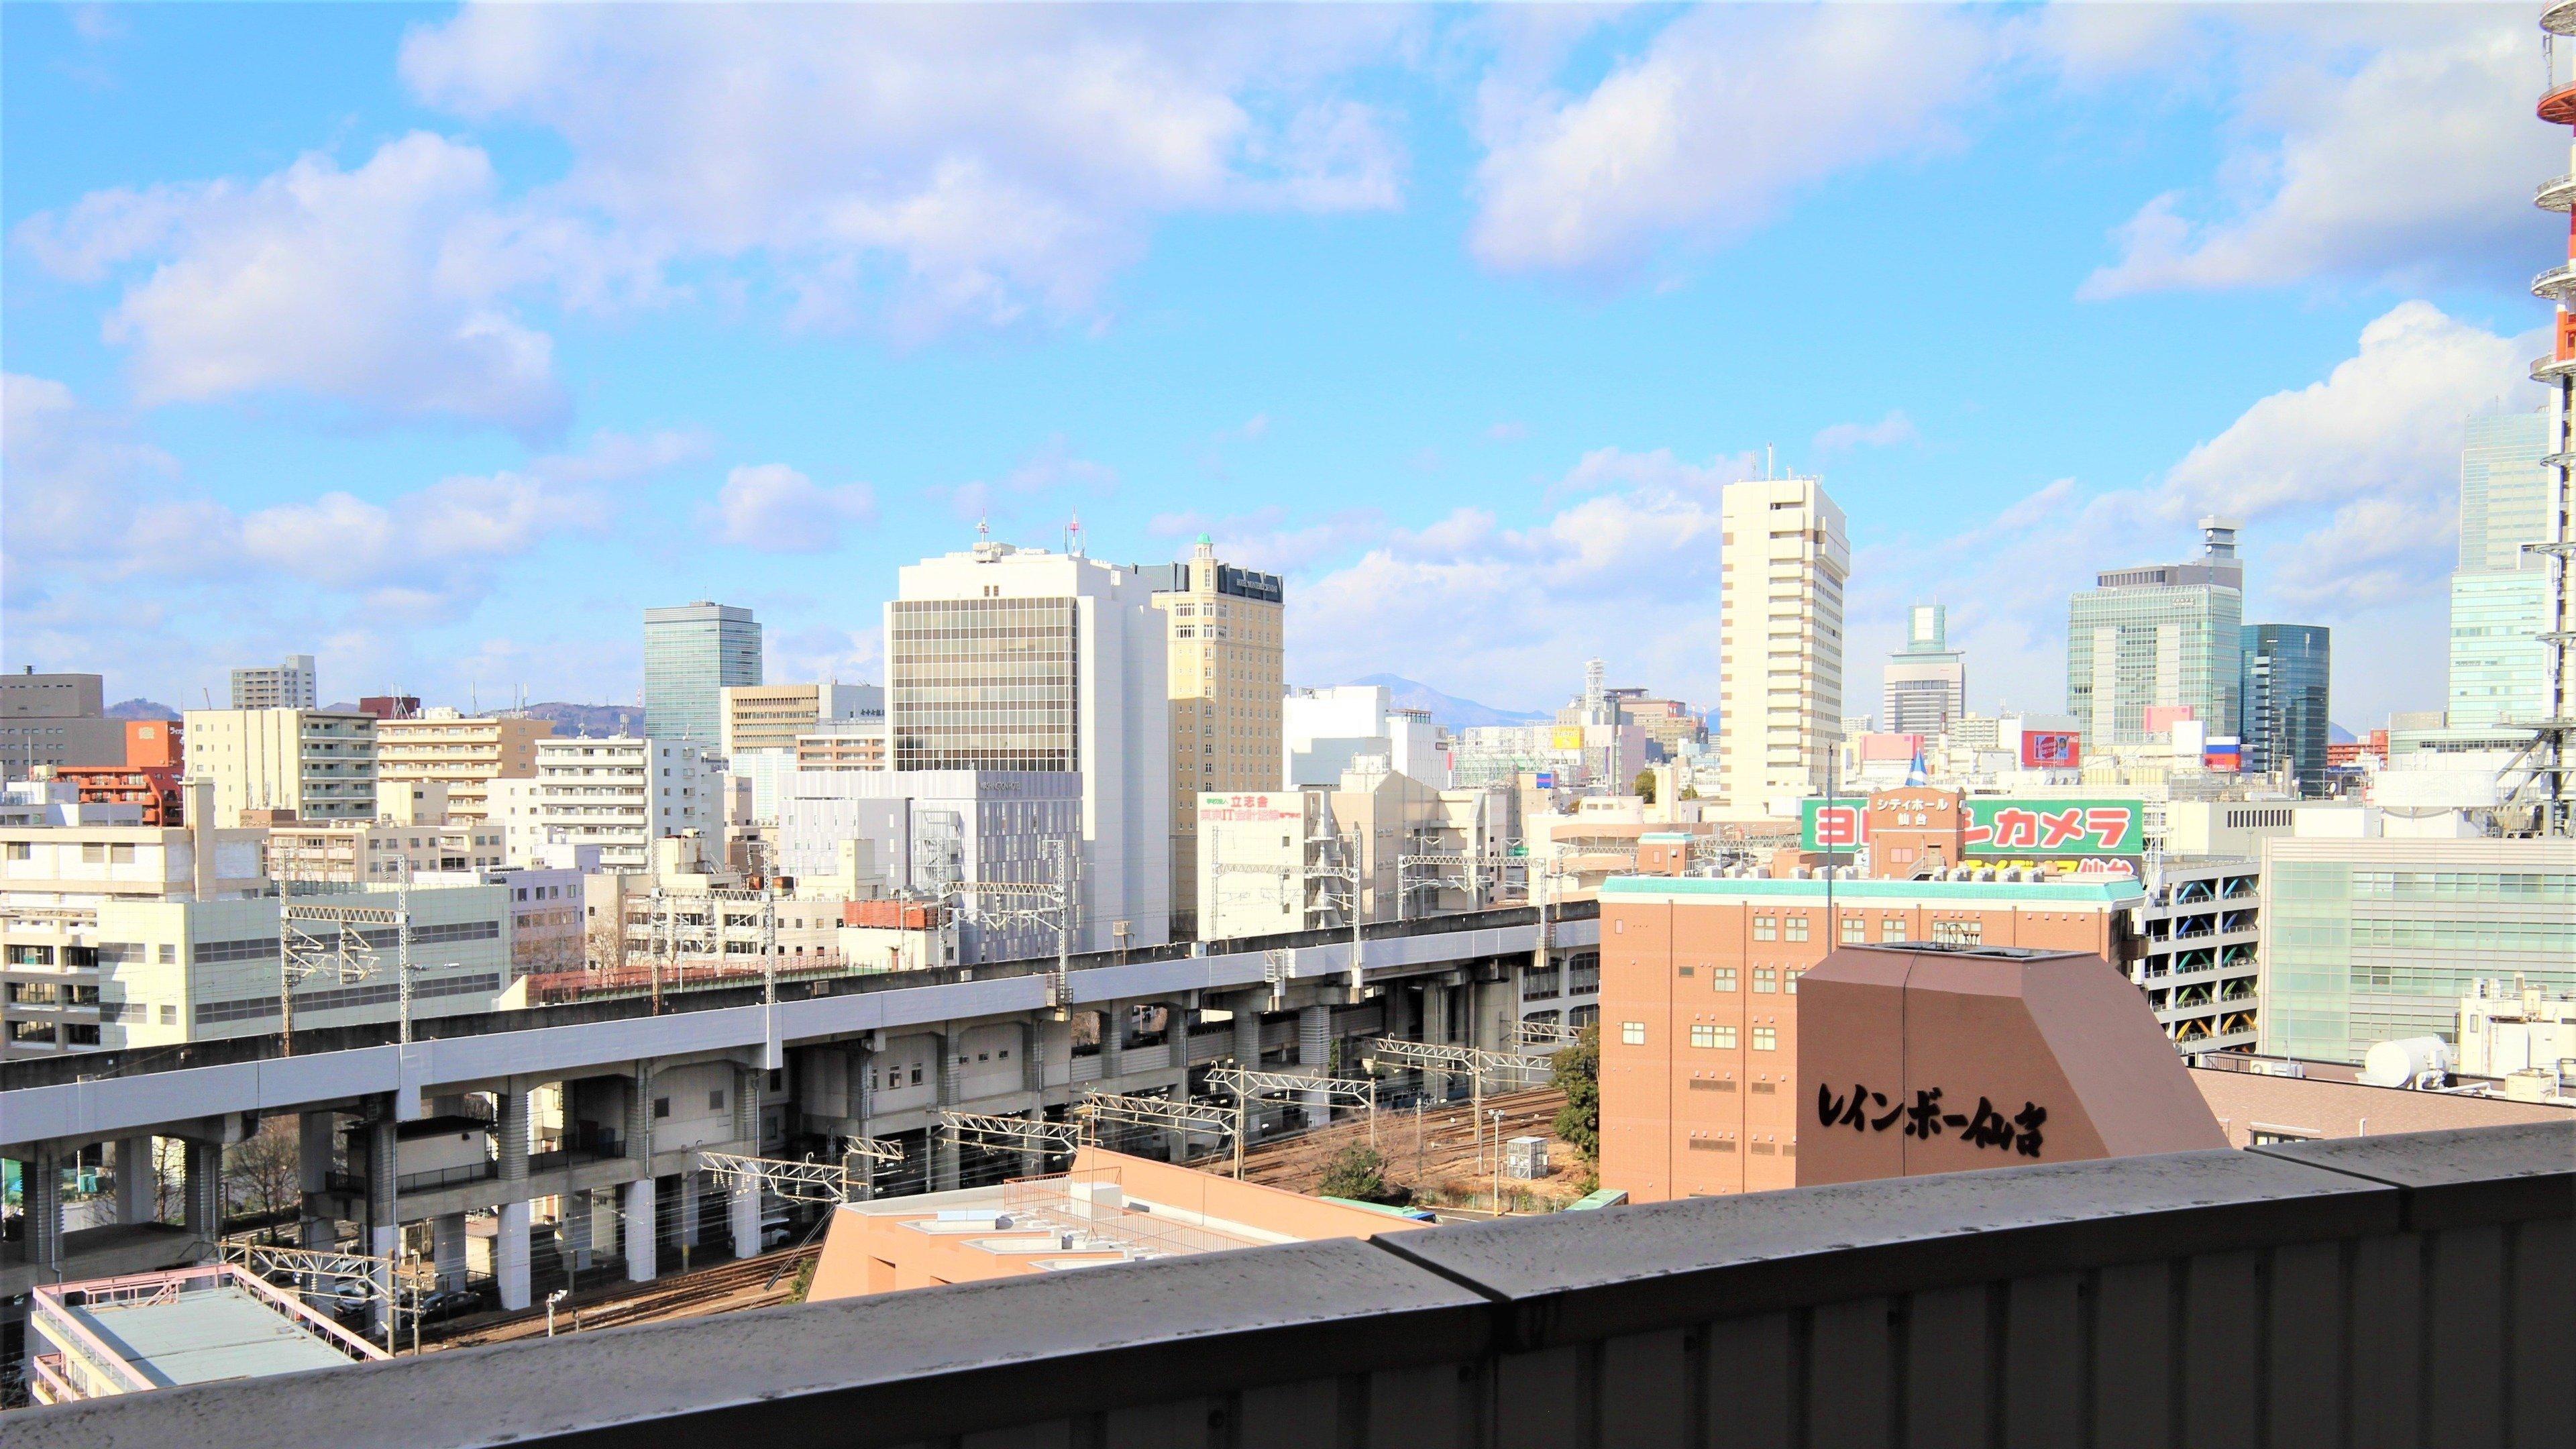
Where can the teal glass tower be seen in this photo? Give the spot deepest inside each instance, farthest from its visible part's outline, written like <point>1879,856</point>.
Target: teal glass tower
<point>691,653</point>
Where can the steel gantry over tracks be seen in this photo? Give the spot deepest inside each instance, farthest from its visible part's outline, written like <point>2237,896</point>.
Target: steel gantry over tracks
<point>1247,1084</point>
<point>982,1129</point>
<point>830,1183</point>
<point>1178,1116</point>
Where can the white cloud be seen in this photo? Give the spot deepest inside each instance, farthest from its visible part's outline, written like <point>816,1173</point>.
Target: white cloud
<point>1509,614</point>
<point>345,285</point>
<point>2371,143</point>
<point>1887,432</point>
<point>2384,422</point>
<point>2348,490</point>
<point>71,470</point>
<point>775,509</point>
<point>1051,468</point>
<point>100,508</point>
<point>937,164</point>
<point>1704,137</point>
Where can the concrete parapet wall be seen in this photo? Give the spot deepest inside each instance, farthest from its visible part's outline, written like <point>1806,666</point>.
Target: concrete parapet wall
<point>2390,1290</point>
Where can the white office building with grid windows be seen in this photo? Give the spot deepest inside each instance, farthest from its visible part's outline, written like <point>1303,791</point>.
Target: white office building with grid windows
<point>1010,659</point>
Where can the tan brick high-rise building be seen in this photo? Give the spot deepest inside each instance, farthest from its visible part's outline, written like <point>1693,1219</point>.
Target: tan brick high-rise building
<point>1700,1092</point>
<point>1225,627</point>
<point>464,753</point>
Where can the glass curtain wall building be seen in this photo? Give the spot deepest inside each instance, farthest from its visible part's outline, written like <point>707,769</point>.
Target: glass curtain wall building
<point>984,684</point>
<point>2284,694</point>
<point>2370,940</point>
<point>692,653</point>
<point>2160,634</point>
<point>2500,596</point>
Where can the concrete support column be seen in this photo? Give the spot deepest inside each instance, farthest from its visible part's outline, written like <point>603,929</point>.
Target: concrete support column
<point>574,1230</point>
<point>639,1118</point>
<point>743,1214</point>
<point>43,1205</point>
<point>1247,1029</point>
<point>313,1147</point>
<point>383,1237</point>
<point>1113,1041</point>
<point>1033,1056</point>
<point>1314,1053</point>
<point>205,1190</point>
<point>1435,1032</point>
<point>510,1255</point>
<point>690,1211</point>
<point>510,1246</point>
<point>635,1234</point>
<point>447,1249</point>
<point>944,1151</point>
<point>138,1181</point>
<point>746,1109</point>
<point>862,1107</point>
<point>1033,1157</point>
<point>1176,1143</point>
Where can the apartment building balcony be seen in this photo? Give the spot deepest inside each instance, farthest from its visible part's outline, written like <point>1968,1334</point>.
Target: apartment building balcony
<point>2398,1288</point>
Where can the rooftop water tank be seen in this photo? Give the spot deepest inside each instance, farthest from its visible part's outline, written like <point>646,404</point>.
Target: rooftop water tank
<point>2404,1062</point>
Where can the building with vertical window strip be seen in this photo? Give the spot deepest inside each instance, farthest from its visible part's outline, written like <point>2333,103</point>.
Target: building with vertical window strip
<point>1699,1002</point>
<point>1226,696</point>
<point>1780,650</point>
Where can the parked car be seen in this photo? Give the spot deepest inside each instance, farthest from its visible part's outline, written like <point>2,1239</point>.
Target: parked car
<point>447,1303</point>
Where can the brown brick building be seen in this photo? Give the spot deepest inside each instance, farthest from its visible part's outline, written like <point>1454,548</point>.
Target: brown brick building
<point>1699,1002</point>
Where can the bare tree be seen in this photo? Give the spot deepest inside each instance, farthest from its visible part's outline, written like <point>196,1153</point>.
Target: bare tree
<point>607,943</point>
<point>265,1174</point>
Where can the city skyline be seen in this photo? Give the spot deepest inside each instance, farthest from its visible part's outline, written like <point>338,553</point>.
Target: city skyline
<point>1478,449</point>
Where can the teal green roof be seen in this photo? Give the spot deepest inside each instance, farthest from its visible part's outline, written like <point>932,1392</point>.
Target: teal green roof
<point>2102,892</point>
<point>1665,837</point>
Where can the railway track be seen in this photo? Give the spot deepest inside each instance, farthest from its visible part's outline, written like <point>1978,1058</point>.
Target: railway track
<point>1438,1144</point>
<point>728,1288</point>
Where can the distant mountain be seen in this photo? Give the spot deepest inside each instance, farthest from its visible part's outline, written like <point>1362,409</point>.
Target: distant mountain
<point>140,709</point>
<point>1456,713</point>
<point>591,720</point>
<point>2337,735</point>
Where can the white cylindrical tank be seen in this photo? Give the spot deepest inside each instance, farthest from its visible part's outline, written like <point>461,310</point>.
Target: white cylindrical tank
<point>2400,1063</point>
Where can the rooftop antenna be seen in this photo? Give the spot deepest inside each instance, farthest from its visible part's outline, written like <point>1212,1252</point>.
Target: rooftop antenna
<point>1073,535</point>
<point>1767,453</point>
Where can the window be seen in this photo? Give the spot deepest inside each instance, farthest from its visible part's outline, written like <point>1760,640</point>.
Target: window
<point>1720,1038</point>
<point>1766,979</point>
<point>1723,978</point>
<point>1855,930</point>
<point>1797,928</point>
<point>1789,980</point>
<point>715,1100</point>
<point>169,1015</point>
<point>1632,1033</point>
<point>2266,1136</point>
<point>916,1074</point>
<point>1766,928</point>
<point>21,850</point>
<point>1891,928</point>
<point>93,854</point>
<point>661,1107</point>
<point>1766,1038</point>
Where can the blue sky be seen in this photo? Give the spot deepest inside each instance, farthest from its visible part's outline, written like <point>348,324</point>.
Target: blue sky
<point>440,342</point>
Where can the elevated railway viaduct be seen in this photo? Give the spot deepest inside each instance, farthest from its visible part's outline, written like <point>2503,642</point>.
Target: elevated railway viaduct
<point>642,1092</point>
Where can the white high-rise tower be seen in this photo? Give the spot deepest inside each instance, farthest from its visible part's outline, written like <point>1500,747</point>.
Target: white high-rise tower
<point>1780,655</point>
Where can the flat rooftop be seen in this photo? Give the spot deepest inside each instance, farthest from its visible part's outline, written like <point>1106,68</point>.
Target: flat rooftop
<point>206,1335</point>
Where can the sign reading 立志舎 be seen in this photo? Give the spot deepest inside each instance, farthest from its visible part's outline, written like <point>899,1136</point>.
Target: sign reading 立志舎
<point>2002,827</point>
